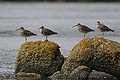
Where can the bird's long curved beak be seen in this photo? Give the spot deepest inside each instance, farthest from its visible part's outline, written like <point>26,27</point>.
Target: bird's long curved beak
<point>17,29</point>
<point>74,26</point>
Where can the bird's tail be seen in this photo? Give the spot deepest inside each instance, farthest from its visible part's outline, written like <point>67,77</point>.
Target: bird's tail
<point>34,34</point>
<point>55,33</point>
<point>112,30</point>
<point>92,30</point>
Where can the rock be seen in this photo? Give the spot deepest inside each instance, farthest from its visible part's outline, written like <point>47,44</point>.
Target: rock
<point>3,78</point>
<point>97,53</point>
<point>97,75</point>
<point>80,73</point>
<point>39,57</point>
<point>27,76</point>
<point>58,76</point>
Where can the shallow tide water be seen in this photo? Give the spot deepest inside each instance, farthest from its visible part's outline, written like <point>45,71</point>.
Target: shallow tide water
<point>59,17</point>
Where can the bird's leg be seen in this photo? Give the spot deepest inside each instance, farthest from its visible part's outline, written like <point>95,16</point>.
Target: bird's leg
<point>25,39</point>
<point>46,39</point>
<point>84,35</point>
<point>102,34</point>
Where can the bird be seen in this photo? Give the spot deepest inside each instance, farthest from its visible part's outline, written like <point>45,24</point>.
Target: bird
<point>46,32</point>
<point>25,33</point>
<point>83,29</point>
<point>103,28</point>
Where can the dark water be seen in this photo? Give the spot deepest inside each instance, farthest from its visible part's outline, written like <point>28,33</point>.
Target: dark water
<point>59,17</point>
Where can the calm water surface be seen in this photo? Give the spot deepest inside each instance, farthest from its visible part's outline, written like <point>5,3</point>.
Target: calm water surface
<point>59,17</point>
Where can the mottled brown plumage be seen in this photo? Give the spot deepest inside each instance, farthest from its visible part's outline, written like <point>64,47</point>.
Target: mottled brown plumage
<point>103,28</point>
<point>83,29</point>
<point>26,33</point>
<point>46,32</point>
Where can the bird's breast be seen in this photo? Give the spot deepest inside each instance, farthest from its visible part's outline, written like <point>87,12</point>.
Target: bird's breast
<point>22,33</point>
<point>82,30</point>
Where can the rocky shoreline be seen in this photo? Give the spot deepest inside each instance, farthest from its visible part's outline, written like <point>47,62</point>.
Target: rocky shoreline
<point>90,59</point>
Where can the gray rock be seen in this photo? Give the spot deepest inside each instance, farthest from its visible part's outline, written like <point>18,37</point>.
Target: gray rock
<point>58,76</point>
<point>97,75</point>
<point>80,73</point>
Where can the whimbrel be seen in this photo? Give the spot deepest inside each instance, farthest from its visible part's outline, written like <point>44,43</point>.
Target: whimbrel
<point>83,29</point>
<point>103,28</point>
<point>46,32</point>
<point>26,33</point>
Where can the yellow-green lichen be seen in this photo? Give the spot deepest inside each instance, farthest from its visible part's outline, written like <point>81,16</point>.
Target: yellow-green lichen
<point>27,76</point>
<point>32,50</point>
<point>40,53</point>
<point>97,53</point>
<point>3,79</point>
<point>82,43</point>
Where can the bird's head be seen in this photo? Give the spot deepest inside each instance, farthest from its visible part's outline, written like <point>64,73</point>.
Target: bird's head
<point>78,24</point>
<point>42,27</point>
<point>20,29</point>
<point>98,25</point>
<point>98,22</point>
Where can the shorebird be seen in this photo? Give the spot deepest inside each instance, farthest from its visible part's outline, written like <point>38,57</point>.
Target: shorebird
<point>26,33</point>
<point>103,28</point>
<point>46,32</point>
<point>83,29</point>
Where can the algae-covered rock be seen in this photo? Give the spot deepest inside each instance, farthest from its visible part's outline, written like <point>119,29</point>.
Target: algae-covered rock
<point>27,76</point>
<point>58,76</point>
<point>3,78</point>
<point>97,53</point>
<point>39,57</point>
<point>97,75</point>
<point>80,73</point>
